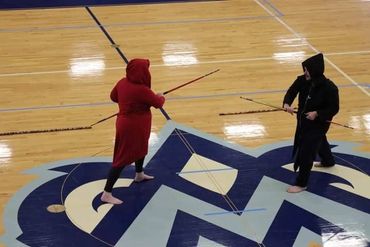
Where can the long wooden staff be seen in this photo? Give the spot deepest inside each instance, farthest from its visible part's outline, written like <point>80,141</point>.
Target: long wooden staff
<point>249,112</point>
<point>100,121</point>
<point>166,92</point>
<point>281,108</point>
<point>189,82</point>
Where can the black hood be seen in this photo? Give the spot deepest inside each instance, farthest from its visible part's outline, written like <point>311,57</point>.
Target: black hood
<point>315,65</point>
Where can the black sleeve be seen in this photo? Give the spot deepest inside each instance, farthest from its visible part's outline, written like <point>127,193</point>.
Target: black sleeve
<point>332,104</point>
<point>292,92</point>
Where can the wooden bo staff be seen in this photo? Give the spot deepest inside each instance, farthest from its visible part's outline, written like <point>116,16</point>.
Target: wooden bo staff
<point>166,92</point>
<point>280,108</point>
<point>42,131</point>
<point>248,112</point>
<point>100,121</point>
<point>53,130</point>
<point>187,83</point>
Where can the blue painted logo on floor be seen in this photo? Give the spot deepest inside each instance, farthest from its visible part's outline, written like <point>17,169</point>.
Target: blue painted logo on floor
<point>206,192</point>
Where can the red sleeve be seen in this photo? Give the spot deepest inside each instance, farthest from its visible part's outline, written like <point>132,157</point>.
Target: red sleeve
<point>150,98</point>
<point>114,94</point>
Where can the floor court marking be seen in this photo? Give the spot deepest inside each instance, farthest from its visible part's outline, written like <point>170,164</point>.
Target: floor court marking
<point>208,170</point>
<point>239,211</point>
<point>187,65</point>
<point>313,48</point>
<point>36,29</point>
<point>179,133</point>
<point>168,131</point>
<point>366,85</point>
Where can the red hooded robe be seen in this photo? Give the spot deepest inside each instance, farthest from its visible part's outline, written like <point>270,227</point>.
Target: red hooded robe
<point>133,124</point>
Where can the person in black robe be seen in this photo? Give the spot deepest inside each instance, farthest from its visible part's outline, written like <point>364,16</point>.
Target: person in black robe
<point>318,103</point>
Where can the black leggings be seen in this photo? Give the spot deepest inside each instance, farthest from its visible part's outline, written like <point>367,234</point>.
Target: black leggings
<point>115,172</point>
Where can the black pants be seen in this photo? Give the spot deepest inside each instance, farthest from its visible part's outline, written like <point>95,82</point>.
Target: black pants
<point>115,172</point>
<point>325,153</point>
<point>309,147</point>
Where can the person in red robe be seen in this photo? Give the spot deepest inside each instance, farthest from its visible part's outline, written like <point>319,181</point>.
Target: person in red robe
<point>134,97</point>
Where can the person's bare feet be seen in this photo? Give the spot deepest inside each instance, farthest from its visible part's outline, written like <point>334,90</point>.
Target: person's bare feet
<point>296,189</point>
<point>109,198</point>
<point>141,176</point>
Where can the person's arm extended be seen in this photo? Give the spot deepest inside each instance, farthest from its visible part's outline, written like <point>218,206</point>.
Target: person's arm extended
<point>152,99</point>
<point>290,95</point>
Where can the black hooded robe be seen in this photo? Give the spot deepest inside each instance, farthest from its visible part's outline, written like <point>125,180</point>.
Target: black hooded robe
<point>321,95</point>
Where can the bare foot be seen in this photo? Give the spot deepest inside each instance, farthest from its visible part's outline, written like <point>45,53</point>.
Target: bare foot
<point>140,177</point>
<point>296,189</point>
<point>108,198</point>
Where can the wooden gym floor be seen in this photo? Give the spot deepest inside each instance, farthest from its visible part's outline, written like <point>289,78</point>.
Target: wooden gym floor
<point>222,163</point>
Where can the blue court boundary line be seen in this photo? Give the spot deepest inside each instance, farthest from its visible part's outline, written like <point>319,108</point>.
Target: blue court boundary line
<point>167,99</point>
<point>113,44</point>
<point>275,9</point>
<point>164,113</point>
<point>236,211</point>
<point>82,3</point>
<point>209,170</point>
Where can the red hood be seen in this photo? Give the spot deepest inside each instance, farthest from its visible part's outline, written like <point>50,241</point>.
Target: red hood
<point>137,71</point>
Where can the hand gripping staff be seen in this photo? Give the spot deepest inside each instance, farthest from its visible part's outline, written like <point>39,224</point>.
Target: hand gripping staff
<point>282,109</point>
